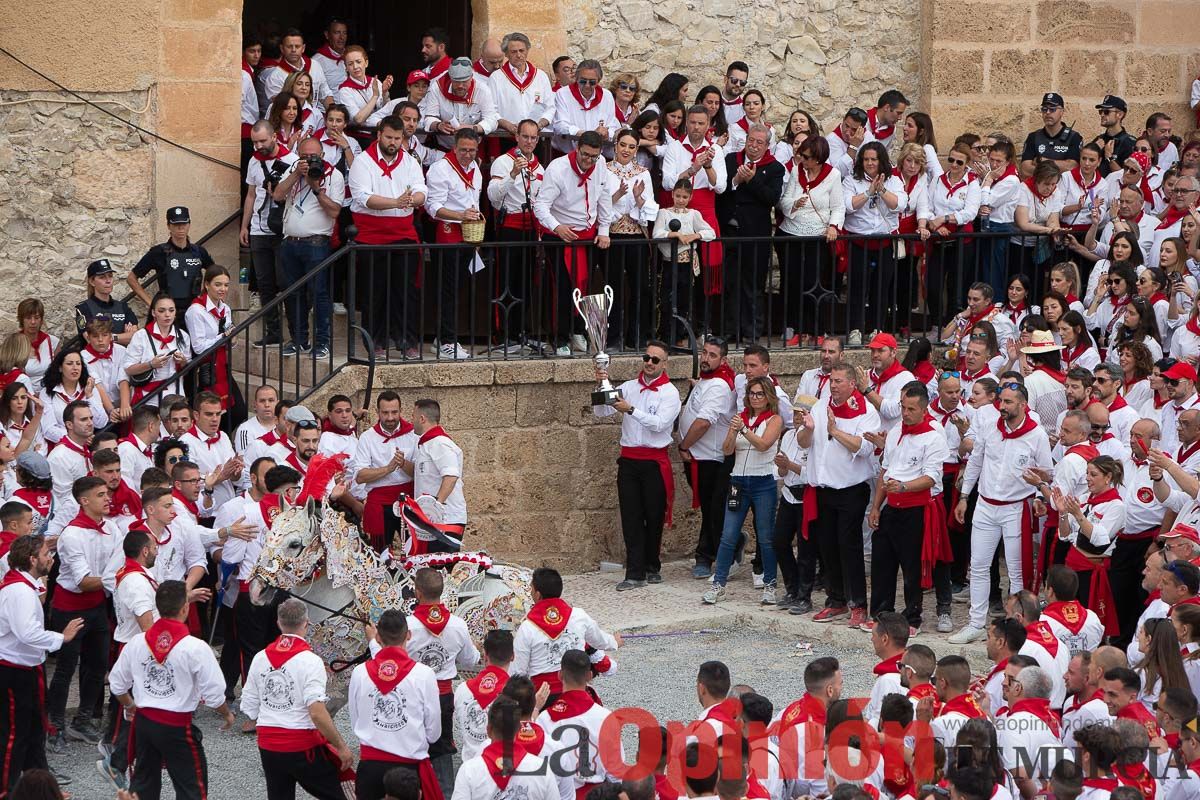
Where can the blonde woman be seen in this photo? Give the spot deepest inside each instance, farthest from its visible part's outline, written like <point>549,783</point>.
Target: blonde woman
<point>912,174</point>
<point>625,90</point>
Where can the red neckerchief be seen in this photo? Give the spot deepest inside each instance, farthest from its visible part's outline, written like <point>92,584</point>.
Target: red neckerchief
<point>273,437</point>
<point>15,576</point>
<point>246,68</point>
<point>745,415</point>
<point>573,160</point>
<point>163,340</point>
<point>521,85</point>
<point>98,356</point>
<point>941,414</point>
<point>1069,356</point>
<point>208,440</point>
<point>328,52</point>
<point>404,427</point>
<point>389,666</point>
<point>570,704</point>
<point>1039,633</point>
<point>1032,186</point>
<point>622,117</point>
<point>433,433</point>
<point>1155,595</point>
<point>1192,325</point>
<point>889,666</point>
<point>468,98</point>
<point>468,178</point>
<point>879,133</point>
<point>283,649</point>
<point>286,138</point>
<point>964,704</point>
<point>967,376</point>
<point>737,101</point>
<point>305,65</point>
<point>1084,450</point>
<point>280,152</point>
<point>805,184</point>
<point>487,685</point>
<point>434,617</point>
<point>1157,296</point>
<point>652,386</point>
<point>531,736</point>
<point>1014,312</point>
<point>1186,452</point>
<point>1118,302</point>
<point>439,66</point>
<point>924,371</point>
<point>1137,776</point>
<point>68,398</point>
<point>190,505</point>
<point>217,311</point>
<point>530,159</point>
<point>1171,217</point>
<point>480,69</point>
<point>126,501</point>
<point>350,83</point>
<point>1117,403</point>
<point>293,461</point>
<point>38,499</point>
<point>1024,428</point>
<point>83,451</point>
<point>724,372</point>
<point>1040,708</point>
<point>923,690</point>
<point>1080,700</point>
<point>855,406</point>
<point>36,344</point>
<point>6,540</point>
<point>372,153</point>
<point>493,759</point>
<point>767,158</point>
<point>162,637</point>
<point>585,105</point>
<point>1009,170</point>
<point>1077,176</point>
<point>1000,665</point>
<point>1058,375</point>
<point>822,379</point>
<point>550,616</point>
<point>1070,614</point>
<point>132,567</point>
<point>909,183</point>
<point>964,181</point>
<point>878,379</point>
<point>924,426</point>
<point>806,709</point>
<point>270,506</point>
<point>687,145</point>
<point>327,426</point>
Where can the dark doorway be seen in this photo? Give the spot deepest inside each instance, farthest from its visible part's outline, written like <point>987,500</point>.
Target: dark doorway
<point>390,31</point>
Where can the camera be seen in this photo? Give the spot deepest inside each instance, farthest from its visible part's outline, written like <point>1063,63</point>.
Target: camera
<point>315,166</point>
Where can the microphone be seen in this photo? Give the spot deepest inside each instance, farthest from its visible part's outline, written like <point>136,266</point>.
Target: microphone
<point>674,225</point>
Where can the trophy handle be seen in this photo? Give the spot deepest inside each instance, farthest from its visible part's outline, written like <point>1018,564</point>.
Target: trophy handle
<point>608,293</point>
<point>576,296</point>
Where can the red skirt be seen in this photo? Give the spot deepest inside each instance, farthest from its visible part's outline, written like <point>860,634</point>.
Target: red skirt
<point>377,500</point>
<point>712,254</point>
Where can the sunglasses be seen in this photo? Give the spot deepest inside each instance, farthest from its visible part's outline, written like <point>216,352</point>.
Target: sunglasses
<point>308,425</point>
<point>1142,150</point>
<point>1013,385</point>
<point>587,81</point>
<point>1049,109</point>
<point>1171,381</point>
<point>958,162</point>
<point>1115,281</point>
<point>736,81</point>
<point>646,357</point>
<point>979,337</point>
<point>950,373</point>
<point>627,87</point>
<point>175,459</point>
<point>980,148</point>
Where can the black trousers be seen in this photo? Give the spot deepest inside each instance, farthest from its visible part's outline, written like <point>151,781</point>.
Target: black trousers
<point>746,267</point>
<point>312,770</point>
<point>89,652</point>
<point>838,530</point>
<point>897,545</point>
<point>629,274</point>
<point>712,483</point>
<point>442,282</point>
<point>248,629</point>
<point>796,556</point>
<point>368,783</point>
<point>1125,577</point>
<point>180,749</point>
<point>643,502</point>
<point>386,293</point>
<point>21,731</point>
<point>870,285</point>
<point>514,279</point>
<point>805,267</point>
<point>116,734</point>
<point>566,319</point>
<point>264,255</point>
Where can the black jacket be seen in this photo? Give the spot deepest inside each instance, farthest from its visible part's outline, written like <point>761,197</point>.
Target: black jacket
<point>746,210</point>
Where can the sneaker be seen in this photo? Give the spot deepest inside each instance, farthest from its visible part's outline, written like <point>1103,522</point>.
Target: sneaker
<point>944,623</point>
<point>62,778</point>
<point>801,607</point>
<point>786,602</point>
<point>714,595</point>
<point>104,748</point>
<point>626,585</point>
<point>579,343</point>
<point>562,351</point>
<point>959,588</point>
<point>768,597</point>
<point>858,618</point>
<point>320,352</point>
<point>963,597</point>
<point>453,351</point>
<point>339,308</point>
<point>967,635</point>
<point>306,348</point>
<point>830,614</point>
<point>380,353</point>
<point>913,632</point>
<point>794,341</point>
<point>83,731</point>
<point>115,778</point>
<point>290,349</point>
<point>854,339</point>
<point>867,626</point>
<point>654,577</point>
<point>758,580</point>
<point>57,743</point>
<point>702,572</point>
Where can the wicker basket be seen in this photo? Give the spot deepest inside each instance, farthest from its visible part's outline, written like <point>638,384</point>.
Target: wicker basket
<point>472,232</point>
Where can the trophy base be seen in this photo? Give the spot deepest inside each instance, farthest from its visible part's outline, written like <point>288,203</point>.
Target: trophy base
<point>605,397</point>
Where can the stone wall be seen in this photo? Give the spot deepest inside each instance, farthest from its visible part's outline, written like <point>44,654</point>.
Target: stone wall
<point>540,468</point>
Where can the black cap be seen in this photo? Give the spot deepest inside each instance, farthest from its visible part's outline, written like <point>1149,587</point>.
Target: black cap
<point>177,215</point>
<point>1112,101</point>
<point>99,267</point>
<point>1053,99</point>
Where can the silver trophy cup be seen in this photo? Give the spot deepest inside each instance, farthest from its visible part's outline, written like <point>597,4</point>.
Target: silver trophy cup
<point>594,309</point>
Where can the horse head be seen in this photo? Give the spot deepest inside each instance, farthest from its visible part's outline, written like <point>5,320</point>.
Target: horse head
<point>292,551</point>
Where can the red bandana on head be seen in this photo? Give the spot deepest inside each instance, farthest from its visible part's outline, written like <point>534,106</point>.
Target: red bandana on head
<point>162,637</point>
<point>551,616</point>
<point>283,649</point>
<point>434,617</point>
<point>389,666</point>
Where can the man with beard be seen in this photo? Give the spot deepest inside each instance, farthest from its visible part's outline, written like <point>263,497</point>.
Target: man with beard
<point>815,382</point>
<point>307,438</point>
<point>1181,386</point>
<point>1108,380</point>
<point>433,51</point>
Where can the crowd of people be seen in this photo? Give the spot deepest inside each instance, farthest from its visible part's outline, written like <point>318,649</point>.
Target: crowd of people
<point>454,155</point>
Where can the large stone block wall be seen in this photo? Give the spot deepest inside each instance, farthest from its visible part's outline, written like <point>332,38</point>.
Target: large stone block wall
<point>991,62</point>
<point>540,468</point>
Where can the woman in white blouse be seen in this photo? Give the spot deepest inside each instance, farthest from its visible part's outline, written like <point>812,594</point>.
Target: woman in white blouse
<point>1122,249</point>
<point>208,320</point>
<point>874,199</point>
<point>1136,367</point>
<point>628,259</point>
<point>1092,525</point>
<point>953,203</point>
<point>1181,285</point>
<point>910,169</point>
<point>1137,325</point>
<point>67,381</point>
<point>1082,189</point>
<point>30,316</point>
<point>753,104</point>
<point>1078,350</point>
<point>20,414</point>
<point>160,348</point>
<point>998,201</point>
<point>918,130</point>
<point>811,210</point>
<point>312,115</point>
<point>1037,211</point>
<point>360,94</point>
<point>1108,308</point>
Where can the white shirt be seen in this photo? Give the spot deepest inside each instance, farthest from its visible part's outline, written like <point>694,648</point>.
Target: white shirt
<point>1075,718</point>
<point>478,109</point>
<point>470,721</point>
<point>304,215</point>
<point>447,189</point>
<point>353,96</point>
<point>189,677</point>
<point>1055,666</point>
<point>136,458</point>
<point>1037,210</point>
<point>403,722</point>
<point>711,400</point>
<point>1023,735</point>
<point>54,403</point>
<point>653,417</point>
<point>250,111</point>
<point>445,652</point>
<point>134,596</point>
<point>1168,415</point>
<point>39,360</point>
<point>814,383</point>
<point>793,483</point>
<point>107,371</point>
<point>532,780</point>
<point>679,156</point>
<point>1001,198</point>
<point>996,463</point>
<point>906,458</point>
<point>367,179</point>
<point>274,77</point>
<point>632,175</point>
<point>142,349</point>
<point>1089,635</point>
<point>204,325</point>
<point>830,464</point>
<point>374,452</point>
<point>889,396</point>
<point>505,191</point>
<point>24,639</point>
<point>826,205</point>
<point>279,698</point>
<point>440,457</point>
<point>1108,520</point>
<point>209,458</point>
<point>519,97</point>
<point>238,551</point>
<point>958,202</point>
<point>269,445</point>
<point>877,218</point>
<point>885,684</point>
<point>66,467</point>
<point>1143,512</point>
<point>567,736</point>
<point>566,200</point>
<point>571,117</point>
<point>333,65</point>
<point>248,431</point>
<point>535,653</point>
<point>1073,192</point>
<point>256,177</point>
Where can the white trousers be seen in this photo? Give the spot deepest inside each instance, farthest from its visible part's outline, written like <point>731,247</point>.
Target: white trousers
<point>989,525</point>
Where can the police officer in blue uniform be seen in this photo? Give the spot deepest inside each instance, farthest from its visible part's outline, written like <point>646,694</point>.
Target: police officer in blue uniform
<point>177,264</point>
<point>1054,141</point>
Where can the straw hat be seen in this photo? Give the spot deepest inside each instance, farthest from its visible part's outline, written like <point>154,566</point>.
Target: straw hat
<point>1041,342</point>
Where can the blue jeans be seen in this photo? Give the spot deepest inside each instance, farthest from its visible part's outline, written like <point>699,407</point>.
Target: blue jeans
<point>758,492</point>
<point>297,259</point>
<point>997,273</point>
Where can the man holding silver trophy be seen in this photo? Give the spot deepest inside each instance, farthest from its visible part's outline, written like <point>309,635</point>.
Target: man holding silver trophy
<point>649,405</point>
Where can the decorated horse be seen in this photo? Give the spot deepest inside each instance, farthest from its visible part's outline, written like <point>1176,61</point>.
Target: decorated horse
<point>316,554</point>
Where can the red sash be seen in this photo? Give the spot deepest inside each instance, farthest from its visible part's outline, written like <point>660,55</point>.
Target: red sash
<point>378,499</point>
<point>1027,576</point>
<point>1100,594</point>
<point>658,454</point>
<point>935,546</point>
<point>712,254</point>
<point>430,789</point>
